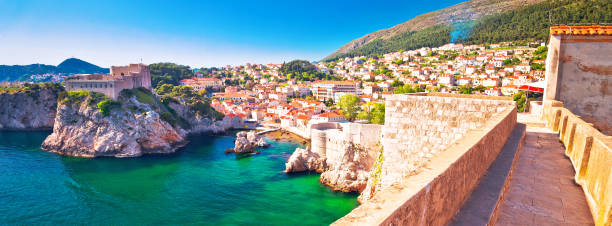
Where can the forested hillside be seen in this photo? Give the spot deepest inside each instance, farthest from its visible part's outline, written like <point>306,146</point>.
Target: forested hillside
<point>532,23</point>
<point>168,73</point>
<point>527,23</point>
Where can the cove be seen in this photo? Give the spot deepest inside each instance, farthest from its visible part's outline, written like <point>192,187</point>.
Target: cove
<point>198,185</point>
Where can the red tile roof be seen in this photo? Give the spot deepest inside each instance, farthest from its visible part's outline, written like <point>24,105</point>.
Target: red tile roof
<point>581,30</point>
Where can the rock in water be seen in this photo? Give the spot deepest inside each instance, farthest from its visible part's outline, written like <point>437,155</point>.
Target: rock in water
<point>243,145</point>
<point>261,142</point>
<point>247,141</point>
<point>304,160</point>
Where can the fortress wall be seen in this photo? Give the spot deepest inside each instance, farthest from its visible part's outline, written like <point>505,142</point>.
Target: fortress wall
<point>332,140</point>
<point>353,136</point>
<point>435,151</point>
<point>579,73</point>
<point>591,154</point>
<point>318,136</point>
<point>105,87</point>
<point>366,135</point>
<point>318,140</point>
<point>126,83</point>
<point>418,128</point>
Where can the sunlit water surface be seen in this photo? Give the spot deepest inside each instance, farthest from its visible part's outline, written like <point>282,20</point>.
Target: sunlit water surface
<point>199,185</point>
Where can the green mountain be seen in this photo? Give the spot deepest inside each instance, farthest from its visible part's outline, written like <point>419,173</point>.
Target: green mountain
<point>74,65</point>
<point>71,65</point>
<point>479,22</point>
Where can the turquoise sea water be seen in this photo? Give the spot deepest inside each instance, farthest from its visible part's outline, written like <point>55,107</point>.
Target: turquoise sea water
<point>199,185</point>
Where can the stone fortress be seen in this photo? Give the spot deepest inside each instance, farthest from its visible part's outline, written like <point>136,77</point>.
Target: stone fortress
<point>120,78</point>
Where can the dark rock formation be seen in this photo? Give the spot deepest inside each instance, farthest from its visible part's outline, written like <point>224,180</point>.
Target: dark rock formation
<point>31,109</point>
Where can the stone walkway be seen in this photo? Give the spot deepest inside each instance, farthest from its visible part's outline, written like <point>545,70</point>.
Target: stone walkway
<point>542,189</point>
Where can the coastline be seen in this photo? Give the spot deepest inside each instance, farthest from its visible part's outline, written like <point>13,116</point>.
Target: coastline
<point>286,136</point>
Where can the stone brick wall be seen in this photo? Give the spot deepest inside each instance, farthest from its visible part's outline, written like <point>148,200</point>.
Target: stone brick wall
<point>436,149</point>
<point>419,127</point>
<point>333,138</point>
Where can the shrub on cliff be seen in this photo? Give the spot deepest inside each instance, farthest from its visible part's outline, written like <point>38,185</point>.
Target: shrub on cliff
<point>73,97</point>
<point>107,105</point>
<point>144,96</point>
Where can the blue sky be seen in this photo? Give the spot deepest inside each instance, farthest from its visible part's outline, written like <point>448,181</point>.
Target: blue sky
<point>195,33</point>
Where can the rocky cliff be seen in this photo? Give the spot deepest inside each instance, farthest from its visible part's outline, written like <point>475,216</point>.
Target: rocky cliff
<point>88,124</point>
<point>128,130</point>
<point>197,123</point>
<point>28,108</point>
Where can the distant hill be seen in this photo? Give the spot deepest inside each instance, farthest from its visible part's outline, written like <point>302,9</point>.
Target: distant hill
<point>71,65</point>
<point>478,22</point>
<point>74,65</point>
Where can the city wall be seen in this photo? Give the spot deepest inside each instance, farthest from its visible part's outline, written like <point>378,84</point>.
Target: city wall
<point>579,73</point>
<point>590,152</point>
<point>331,140</point>
<point>435,151</point>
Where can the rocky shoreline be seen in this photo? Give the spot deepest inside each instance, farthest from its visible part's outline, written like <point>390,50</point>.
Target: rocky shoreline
<point>31,109</point>
<point>344,160</point>
<point>286,136</point>
<point>137,123</point>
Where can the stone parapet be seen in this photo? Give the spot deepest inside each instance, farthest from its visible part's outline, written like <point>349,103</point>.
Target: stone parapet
<point>436,149</point>
<point>591,154</point>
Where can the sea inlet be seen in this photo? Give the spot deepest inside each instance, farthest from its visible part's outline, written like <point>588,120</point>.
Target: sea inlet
<point>198,185</point>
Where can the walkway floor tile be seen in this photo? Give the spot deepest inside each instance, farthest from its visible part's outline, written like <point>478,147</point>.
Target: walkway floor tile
<point>542,190</point>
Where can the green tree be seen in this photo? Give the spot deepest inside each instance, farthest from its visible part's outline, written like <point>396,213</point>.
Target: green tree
<point>329,102</point>
<point>349,106</point>
<point>397,83</point>
<point>164,89</point>
<point>168,73</point>
<point>373,113</point>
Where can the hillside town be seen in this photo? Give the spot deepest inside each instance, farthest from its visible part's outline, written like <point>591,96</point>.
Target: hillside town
<point>261,93</point>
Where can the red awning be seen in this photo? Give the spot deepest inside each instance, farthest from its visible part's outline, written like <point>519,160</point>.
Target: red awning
<point>531,88</point>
